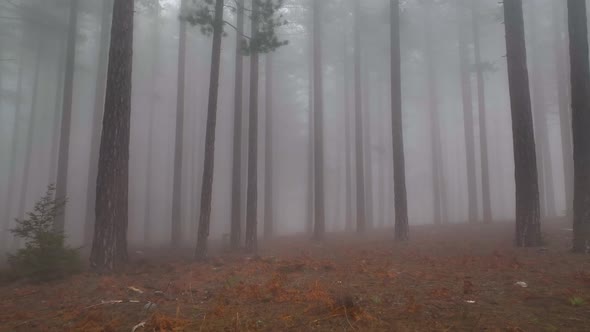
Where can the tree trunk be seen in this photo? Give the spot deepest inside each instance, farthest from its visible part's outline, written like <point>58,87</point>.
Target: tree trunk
<point>528,228</point>
<point>252,196</point>
<point>347,149</point>
<point>435,137</point>
<point>57,114</point>
<point>148,203</point>
<point>360,170</point>
<point>268,154</point>
<point>176,230</point>
<point>236,198</point>
<point>109,248</point>
<point>481,105</point>
<point>368,151</point>
<point>318,110</point>
<point>565,120</point>
<point>66,116</point>
<point>580,83</point>
<point>310,143</point>
<point>99,95</point>
<point>399,165</point>
<point>207,184</point>
<point>467,99</point>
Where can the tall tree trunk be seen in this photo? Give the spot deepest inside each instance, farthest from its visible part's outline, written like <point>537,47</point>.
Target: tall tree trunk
<point>176,229</point>
<point>310,143</point>
<point>109,247</point>
<point>528,227</point>
<point>368,151</point>
<point>546,190</point>
<point>580,83</point>
<point>361,222</point>
<point>57,113</point>
<point>467,99</point>
<point>207,184</point>
<point>481,105</point>
<point>236,198</point>
<point>99,95</point>
<point>318,110</point>
<point>347,149</point>
<point>66,116</point>
<point>435,137</point>
<point>30,133</point>
<point>565,119</point>
<point>268,154</point>
<point>252,196</point>
<point>148,203</point>
<point>7,218</point>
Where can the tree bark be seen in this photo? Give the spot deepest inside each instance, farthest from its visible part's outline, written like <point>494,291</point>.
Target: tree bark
<point>565,118</point>
<point>467,99</point>
<point>236,198</point>
<point>528,228</point>
<point>310,143</point>
<point>99,96</point>
<point>580,89</point>
<point>176,225</point>
<point>208,168</point>
<point>481,105</point>
<point>368,151</point>
<point>109,247</point>
<point>399,166</point>
<point>318,108</point>
<point>347,149</point>
<point>252,198</point>
<point>268,154</point>
<point>66,116</point>
<point>435,136</point>
<point>361,222</point>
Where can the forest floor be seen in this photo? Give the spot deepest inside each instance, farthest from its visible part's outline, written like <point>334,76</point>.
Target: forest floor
<point>448,278</point>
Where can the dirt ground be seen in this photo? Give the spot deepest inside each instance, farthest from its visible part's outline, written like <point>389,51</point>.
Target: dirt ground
<point>448,278</point>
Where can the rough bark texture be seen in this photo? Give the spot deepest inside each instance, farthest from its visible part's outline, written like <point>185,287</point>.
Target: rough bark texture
<point>207,182</point>
<point>435,136</point>
<point>318,111</point>
<point>565,117</point>
<point>66,115</point>
<point>109,247</point>
<point>176,229</point>
<point>528,228</point>
<point>252,196</point>
<point>236,198</point>
<point>360,170</point>
<point>467,99</point>
<point>580,83</point>
<point>99,95</point>
<point>268,153</point>
<point>399,165</point>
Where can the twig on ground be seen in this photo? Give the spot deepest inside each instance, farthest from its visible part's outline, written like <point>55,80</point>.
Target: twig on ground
<point>346,316</point>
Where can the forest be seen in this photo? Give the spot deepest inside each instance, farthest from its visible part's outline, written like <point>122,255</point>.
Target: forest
<point>294,165</point>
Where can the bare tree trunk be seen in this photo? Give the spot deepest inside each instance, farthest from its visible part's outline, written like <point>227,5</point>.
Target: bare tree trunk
<point>66,116</point>
<point>435,137</point>
<point>57,114</point>
<point>467,98</point>
<point>565,119</point>
<point>13,153</point>
<point>361,222</point>
<point>546,192</point>
<point>148,203</point>
<point>252,196</point>
<point>109,247</point>
<point>318,108</point>
<point>268,154</point>
<point>236,198</point>
<point>207,184</point>
<point>347,149</point>
<point>30,133</point>
<point>99,95</point>
<point>176,229</point>
<point>310,143</point>
<point>483,131</point>
<point>580,83</point>
<point>368,151</point>
<point>528,227</point>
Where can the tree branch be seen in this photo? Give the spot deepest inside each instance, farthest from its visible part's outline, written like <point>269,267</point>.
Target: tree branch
<point>235,28</point>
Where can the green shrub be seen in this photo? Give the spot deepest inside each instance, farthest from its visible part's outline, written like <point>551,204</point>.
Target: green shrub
<point>45,256</point>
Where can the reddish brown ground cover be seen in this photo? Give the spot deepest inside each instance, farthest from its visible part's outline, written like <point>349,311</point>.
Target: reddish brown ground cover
<point>451,278</point>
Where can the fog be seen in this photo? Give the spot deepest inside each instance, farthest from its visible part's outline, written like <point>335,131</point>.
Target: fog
<point>33,76</point>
